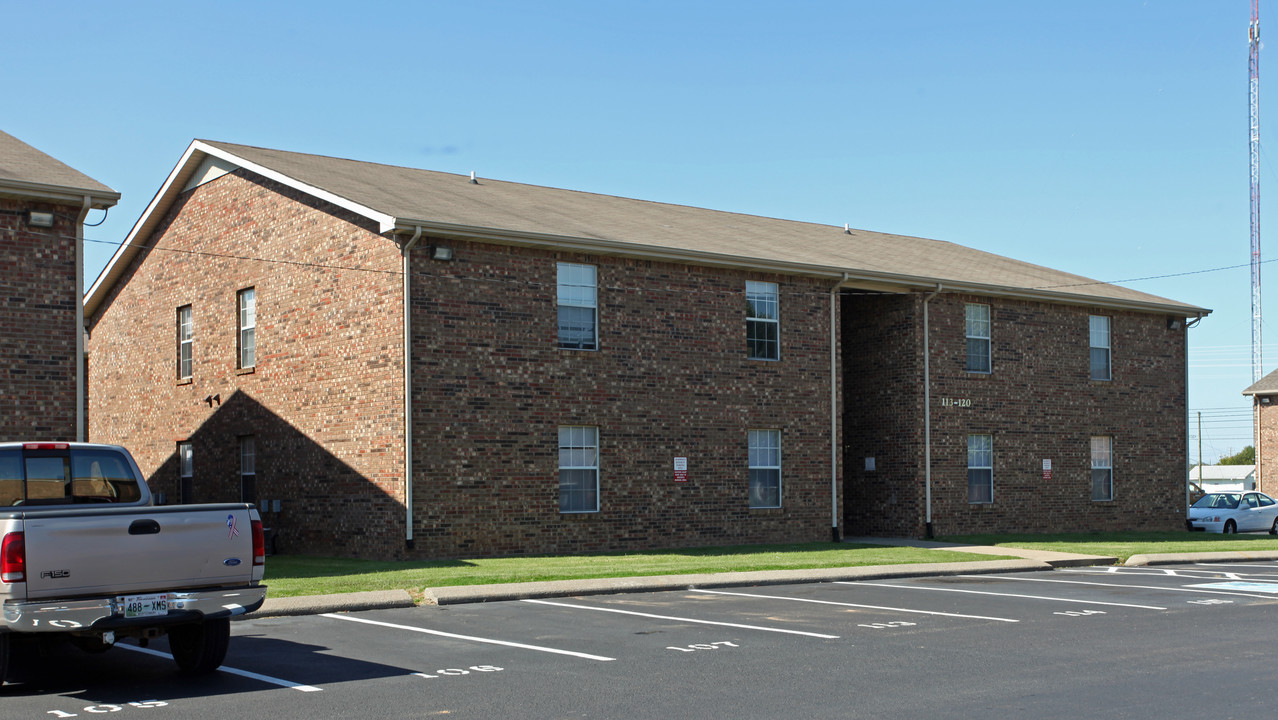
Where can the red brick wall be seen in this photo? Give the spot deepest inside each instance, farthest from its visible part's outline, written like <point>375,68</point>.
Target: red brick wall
<point>1038,403</point>
<point>1266,422</point>
<point>324,401</point>
<point>671,379</point>
<point>37,323</point>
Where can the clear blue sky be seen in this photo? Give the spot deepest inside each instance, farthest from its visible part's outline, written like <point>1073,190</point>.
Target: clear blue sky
<point>1102,137</point>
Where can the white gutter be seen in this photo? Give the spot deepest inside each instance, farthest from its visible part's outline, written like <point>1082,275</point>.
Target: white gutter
<point>79,320</point>
<point>408,389</point>
<point>834,412</point>
<point>927,414</point>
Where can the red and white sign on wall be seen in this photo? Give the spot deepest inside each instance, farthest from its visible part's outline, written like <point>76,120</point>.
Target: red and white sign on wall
<point>681,469</point>
<point>1047,469</point>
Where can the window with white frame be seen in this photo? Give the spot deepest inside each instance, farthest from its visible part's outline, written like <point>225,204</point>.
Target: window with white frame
<point>578,306</point>
<point>248,469</point>
<point>1102,468</point>
<point>765,468</point>
<point>186,473</point>
<point>247,301</point>
<point>763,321</point>
<point>980,469</point>
<point>1098,332</point>
<point>978,338</point>
<point>578,469</point>
<point>185,336</point>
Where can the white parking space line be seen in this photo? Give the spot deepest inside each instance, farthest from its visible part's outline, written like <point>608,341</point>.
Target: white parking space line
<point>998,594</point>
<point>858,605</point>
<point>471,638</point>
<point>684,619</point>
<point>1188,589</point>
<point>242,673</point>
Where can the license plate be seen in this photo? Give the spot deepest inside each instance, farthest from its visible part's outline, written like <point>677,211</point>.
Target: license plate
<point>136,606</point>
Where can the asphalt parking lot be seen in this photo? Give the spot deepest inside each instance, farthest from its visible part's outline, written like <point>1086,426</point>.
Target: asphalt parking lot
<point>1170,641</point>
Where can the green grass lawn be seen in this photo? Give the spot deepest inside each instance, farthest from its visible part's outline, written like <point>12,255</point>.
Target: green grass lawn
<point>293,575</point>
<point>1125,544</point>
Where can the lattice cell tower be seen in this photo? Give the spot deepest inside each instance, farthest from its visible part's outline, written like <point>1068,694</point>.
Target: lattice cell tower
<point>1254,156</point>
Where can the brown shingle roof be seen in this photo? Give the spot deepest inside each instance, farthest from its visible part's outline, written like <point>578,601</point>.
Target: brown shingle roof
<point>402,199</point>
<point>27,172</point>
<point>414,196</point>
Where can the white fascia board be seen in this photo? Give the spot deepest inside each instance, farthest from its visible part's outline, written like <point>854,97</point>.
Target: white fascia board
<point>889,282</point>
<point>385,222</point>
<point>129,247</point>
<point>174,184</point>
<point>58,193</point>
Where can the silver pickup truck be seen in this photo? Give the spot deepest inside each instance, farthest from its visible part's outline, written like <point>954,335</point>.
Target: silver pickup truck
<point>85,553</point>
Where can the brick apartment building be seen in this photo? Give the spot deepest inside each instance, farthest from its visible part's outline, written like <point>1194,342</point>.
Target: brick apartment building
<point>1264,402</point>
<point>43,204</point>
<point>588,373</point>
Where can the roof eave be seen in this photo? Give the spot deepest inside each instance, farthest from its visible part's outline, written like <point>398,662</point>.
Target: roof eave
<point>886,282</point>
<point>65,194</point>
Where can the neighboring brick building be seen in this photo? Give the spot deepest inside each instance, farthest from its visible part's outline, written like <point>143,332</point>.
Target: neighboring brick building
<point>1264,401</point>
<point>43,204</point>
<point>596,373</point>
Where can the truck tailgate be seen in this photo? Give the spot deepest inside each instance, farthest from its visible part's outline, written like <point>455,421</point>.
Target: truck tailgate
<point>130,550</point>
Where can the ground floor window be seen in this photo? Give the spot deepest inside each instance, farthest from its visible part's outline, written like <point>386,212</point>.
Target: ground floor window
<point>980,468</point>
<point>186,473</point>
<point>578,469</point>
<point>1102,468</point>
<point>765,468</point>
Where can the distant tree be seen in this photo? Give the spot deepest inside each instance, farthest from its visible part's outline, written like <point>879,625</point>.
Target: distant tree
<point>1246,456</point>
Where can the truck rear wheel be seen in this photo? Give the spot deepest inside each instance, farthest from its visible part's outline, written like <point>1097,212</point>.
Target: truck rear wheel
<point>4,657</point>
<point>201,648</point>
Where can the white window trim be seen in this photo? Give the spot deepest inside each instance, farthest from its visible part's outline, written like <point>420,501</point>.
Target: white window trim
<point>592,304</point>
<point>1107,347</point>
<point>593,468</point>
<point>971,467</point>
<point>1109,449</point>
<point>751,445</point>
<point>186,342</point>
<point>770,292</point>
<point>246,325</point>
<point>987,337</point>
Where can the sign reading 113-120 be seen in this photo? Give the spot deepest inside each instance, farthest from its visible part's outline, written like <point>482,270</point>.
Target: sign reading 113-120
<point>956,403</point>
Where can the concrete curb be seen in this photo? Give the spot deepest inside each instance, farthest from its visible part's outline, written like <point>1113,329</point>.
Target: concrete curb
<point>568,588</point>
<point>345,602</point>
<point>1208,557</point>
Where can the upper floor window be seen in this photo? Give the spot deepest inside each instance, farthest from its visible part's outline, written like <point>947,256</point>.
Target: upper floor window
<point>1098,331</point>
<point>765,468</point>
<point>980,468</point>
<point>578,307</point>
<point>578,469</point>
<point>763,321</point>
<point>185,335</point>
<point>1102,468</point>
<point>978,338</point>
<point>247,302</point>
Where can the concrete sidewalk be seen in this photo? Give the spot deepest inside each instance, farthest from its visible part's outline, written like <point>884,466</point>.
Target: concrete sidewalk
<point>1025,560</point>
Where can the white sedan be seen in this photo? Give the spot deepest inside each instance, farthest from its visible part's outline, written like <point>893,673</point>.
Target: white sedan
<point>1232,512</point>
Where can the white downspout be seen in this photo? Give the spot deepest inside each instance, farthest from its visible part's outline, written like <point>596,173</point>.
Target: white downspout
<point>408,389</point>
<point>80,394</point>
<point>927,414</point>
<point>834,411</point>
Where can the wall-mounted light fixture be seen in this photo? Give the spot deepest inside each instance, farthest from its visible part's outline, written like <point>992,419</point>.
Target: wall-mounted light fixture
<point>441,252</point>
<point>1173,323</point>
<point>36,218</point>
